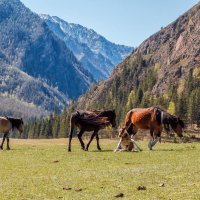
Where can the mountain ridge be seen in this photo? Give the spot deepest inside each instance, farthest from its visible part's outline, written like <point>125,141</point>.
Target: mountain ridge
<point>27,44</point>
<point>158,72</point>
<point>96,53</point>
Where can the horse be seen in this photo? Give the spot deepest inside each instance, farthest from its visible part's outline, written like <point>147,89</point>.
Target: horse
<point>127,141</point>
<point>90,121</point>
<point>7,124</point>
<point>153,119</point>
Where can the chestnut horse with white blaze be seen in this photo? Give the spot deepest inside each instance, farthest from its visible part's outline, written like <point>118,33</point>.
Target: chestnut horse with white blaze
<point>153,119</point>
<point>7,124</point>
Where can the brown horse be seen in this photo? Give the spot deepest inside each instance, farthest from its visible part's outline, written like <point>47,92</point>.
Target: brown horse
<point>154,119</point>
<point>7,124</point>
<point>90,121</point>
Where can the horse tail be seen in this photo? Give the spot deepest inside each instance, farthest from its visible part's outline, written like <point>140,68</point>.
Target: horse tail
<point>72,126</point>
<point>72,122</point>
<point>128,123</point>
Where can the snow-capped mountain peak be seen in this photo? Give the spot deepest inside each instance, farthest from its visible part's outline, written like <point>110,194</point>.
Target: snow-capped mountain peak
<point>96,53</point>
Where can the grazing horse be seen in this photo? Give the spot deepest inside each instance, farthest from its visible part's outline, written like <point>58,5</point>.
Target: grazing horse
<point>90,121</point>
<point>7,124</point>
<point>154,119</point>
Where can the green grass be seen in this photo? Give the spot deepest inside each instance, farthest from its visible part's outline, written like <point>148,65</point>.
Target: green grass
<point>28,171</point>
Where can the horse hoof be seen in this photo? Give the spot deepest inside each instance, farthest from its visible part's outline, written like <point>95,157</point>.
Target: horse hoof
<point>69,150</point>
<point>8,149</point>
<point>1,148</point>
<point>99,149</point>
<point>86,149</point>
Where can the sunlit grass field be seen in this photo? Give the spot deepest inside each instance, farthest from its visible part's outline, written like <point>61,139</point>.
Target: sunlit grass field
<point>40,169</point>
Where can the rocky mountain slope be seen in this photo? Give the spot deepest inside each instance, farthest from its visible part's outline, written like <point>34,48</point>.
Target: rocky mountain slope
<point>39,65</point>
<point>96,54</point>
<point>157,72</point>
<point>21,93</point>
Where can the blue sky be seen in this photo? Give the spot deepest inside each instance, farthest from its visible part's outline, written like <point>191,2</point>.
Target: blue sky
<point>126,22</point>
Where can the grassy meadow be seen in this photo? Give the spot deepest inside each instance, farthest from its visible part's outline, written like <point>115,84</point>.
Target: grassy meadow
<point>40,169</point>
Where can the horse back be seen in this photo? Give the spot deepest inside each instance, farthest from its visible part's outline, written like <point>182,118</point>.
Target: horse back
<point>5,125</point>
<point>143,118</point>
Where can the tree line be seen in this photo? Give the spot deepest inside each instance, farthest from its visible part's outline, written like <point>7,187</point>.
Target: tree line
<point>128,91</point>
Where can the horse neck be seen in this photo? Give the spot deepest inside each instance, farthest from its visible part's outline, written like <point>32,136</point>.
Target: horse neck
<point>15,122</point>
<point>169,119</point>
<point>104,114</point>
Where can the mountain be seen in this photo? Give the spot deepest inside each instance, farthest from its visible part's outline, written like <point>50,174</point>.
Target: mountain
<point>35,64</point>
<point>96,54</point>
<point>22,94</point>
<point>163,70</point>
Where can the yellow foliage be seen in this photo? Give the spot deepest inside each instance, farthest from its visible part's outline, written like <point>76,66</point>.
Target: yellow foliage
<point>171,108</point>
<point>131,97</point>
<point>181,86</point>
<point>196,73</point>
<point>157,67</point>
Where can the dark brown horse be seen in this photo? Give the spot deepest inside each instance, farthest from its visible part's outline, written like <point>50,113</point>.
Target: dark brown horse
<point>7,124</point>
<point>90,121</point>
<point>154,119</point>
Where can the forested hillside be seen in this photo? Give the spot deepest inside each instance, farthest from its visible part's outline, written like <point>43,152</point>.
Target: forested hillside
<point>164,70</point>
<point>46,67</point>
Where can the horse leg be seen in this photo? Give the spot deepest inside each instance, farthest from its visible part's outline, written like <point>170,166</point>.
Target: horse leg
<point>136,144</point>
<point>92,137</point>
<point>154,142</point>
<point>8,146</point>
<point>80,139</point>
<point>158,138</point>
<point>134,131</point>
<point>152,139</point>
<point>118,145</point>
<point>97,139</point>
<point>4,137</point>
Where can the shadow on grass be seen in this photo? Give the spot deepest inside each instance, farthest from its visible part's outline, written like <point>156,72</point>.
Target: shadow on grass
<point>101,151</point>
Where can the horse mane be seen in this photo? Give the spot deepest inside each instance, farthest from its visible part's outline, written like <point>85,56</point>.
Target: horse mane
<point>100,121</point>
<point>158,112</point>
<point>159,108</point>
<point>16,122</point>
<point>166,118</point>
<point>106,113</point>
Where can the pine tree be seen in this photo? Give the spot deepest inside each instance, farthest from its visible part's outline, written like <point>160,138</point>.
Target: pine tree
<point>63,123</point>
<point>131,97</point>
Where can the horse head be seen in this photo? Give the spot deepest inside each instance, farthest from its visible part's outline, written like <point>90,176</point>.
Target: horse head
<point>178,126</point>
<point>20,126</point>
<point>113,118</point>
<point>111,115</point>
